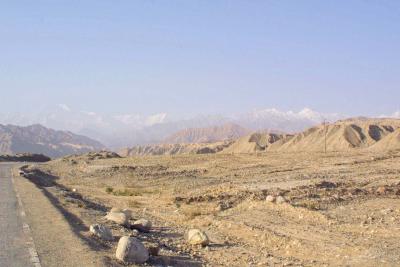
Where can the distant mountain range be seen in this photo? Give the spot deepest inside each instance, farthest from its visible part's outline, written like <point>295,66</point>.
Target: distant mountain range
<point>175,149</point>
<point>42,140</point>
<point>126,130</point>
<point>343,135</point>
<point>228,131</point>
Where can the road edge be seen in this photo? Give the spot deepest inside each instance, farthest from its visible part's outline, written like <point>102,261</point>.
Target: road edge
<point>34,257</point>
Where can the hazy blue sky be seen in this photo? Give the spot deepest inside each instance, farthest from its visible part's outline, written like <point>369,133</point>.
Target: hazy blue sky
<point>190,57</point>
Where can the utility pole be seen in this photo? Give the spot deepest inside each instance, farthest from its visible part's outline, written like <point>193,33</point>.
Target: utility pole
<point>325,132</point>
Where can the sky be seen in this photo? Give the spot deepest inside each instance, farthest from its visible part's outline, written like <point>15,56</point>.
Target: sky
<point>200,57</point>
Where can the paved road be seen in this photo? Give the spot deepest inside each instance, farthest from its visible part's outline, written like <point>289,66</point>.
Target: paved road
<point>13,247</point>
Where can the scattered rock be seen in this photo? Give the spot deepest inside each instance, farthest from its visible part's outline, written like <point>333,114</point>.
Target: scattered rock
<point>197,237</point>
<point>101,155</point>
<point>223,206</point>
<point>127,212</point>
<point>118,217</point>
<point>280,200</point>
<point>116,210</point>
<point>72,200</point>
<point>153,250</point>
<point>131,250</point>
<point>381,190</point>
<point>101,231</point>
<point>219,208</point>
<point>270,198</point>
<point>326,184</point>
<point>134,233</point>
<point>125,231</point>
<point>142,225</point>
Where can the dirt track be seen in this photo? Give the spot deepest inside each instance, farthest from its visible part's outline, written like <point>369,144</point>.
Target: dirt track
<point>343,208</point>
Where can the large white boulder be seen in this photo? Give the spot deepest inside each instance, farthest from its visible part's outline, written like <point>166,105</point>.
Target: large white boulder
<point>197,237</point>
<point>131,250</point>
<point>270,198</point>
<point>127,212</point>
<point>118,217</point>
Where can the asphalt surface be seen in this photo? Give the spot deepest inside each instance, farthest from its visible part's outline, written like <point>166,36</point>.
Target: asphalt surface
<point>13,242</point>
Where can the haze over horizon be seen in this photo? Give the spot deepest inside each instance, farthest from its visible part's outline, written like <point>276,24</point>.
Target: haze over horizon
<point>187,58</point>
<point>126,130</point>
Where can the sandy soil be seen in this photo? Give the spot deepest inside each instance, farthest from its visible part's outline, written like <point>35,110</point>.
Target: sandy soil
<point>61,239</point>
<point>342,209</point>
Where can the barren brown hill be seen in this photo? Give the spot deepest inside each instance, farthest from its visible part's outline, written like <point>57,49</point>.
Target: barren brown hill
<point>227,131</point>
<point>41,140</point>
<point>175,149</point>
<point>340,136</point>
<point>390,142</point>
<point>254,142</point>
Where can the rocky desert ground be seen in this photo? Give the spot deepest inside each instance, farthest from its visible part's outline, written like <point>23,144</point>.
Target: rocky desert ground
<point>261,209</point>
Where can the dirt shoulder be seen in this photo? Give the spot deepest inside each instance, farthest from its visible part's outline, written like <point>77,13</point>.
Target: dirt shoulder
<point>57,242</point>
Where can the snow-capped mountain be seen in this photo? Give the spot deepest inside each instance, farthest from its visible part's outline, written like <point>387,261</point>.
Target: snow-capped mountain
<point>123,130</point>
<point>396,114</point>
<point>290,121</point>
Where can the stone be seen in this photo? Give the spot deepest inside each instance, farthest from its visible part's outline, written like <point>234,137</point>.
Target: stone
<point>102,232</point>
<point>270,198</point>
<point>280,200</point>
<point>381,190</point>
<point>142,225</point>
<point>154,250</point>
<point>134,233</point>
<point>116,210</point>
<point>197,237</point>
<point>131,250</point>
<point>118,217</point>
<point>127,212</point>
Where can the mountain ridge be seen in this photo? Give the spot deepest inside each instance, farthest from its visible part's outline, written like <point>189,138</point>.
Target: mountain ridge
<point>42,140</point>
<point>126,130</point>
<point>212,134</point>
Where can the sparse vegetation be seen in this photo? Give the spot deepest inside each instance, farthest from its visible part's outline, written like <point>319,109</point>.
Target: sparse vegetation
<point>109,190</point>
<point>127,192</point>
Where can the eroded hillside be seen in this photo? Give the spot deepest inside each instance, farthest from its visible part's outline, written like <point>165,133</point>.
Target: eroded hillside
<point>42,140</point>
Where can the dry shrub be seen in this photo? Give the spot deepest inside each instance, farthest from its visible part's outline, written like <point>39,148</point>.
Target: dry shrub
<point>128,192</point>
<point>109,190</point>
<point>134,204</point>
<point>191,212</point>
